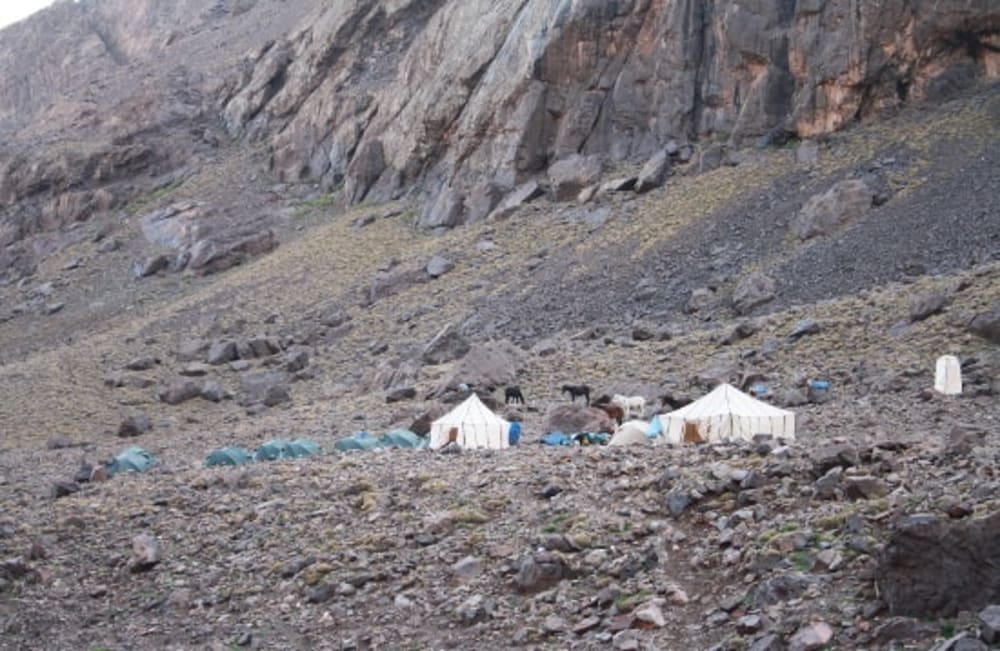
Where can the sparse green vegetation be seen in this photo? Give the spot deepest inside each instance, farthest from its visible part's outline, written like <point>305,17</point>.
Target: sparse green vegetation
<point>801,560</point>
<point>627,601</point>
<point>767,536</point>
<point>834,521</point>
<point>144,202</point>
<point>322,201</point>
<point>559,523</point>
<point>792,143</point>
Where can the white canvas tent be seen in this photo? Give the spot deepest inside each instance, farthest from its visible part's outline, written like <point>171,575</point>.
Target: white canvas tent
<point>477,426</point>
<point>726,414</point>
<point>631,432</point>
<point>948,376</point>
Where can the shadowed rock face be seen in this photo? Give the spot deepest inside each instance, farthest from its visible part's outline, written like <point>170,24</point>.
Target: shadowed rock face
<point>457,93</point>
<point>935,569</point>
<point>454,98</point>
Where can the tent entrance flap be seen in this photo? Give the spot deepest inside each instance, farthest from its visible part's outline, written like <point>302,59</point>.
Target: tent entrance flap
<point>691,434</point>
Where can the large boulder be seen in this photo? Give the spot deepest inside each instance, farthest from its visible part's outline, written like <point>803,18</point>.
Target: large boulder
<point>572,174</point>
<point>364,170</point>
<point>448,345</point>
<point>824,213</point>
<point>392,373</point>
<point>151,266</point>
<point>572,418</point>
<point>981,374</point>
<point>134,425</point>
<point>702,299</point>
<point>447,211</point>
<point>179,390</point>
<point>390,282</point>
<point>71,207</point>
<point>438,266</point>
<point>190,350</point>
<point>754,290</point>
<point>211,256</point>
<point>481,201</point>
<point>926,305</point>
<point>987,324</point>
<point>653,173</point>
<point>177,226</point>
<point>493,364</point>
<point>221,352</point>
<point>933,568</point>
<point>201,240</point>
<point>519,196</point>
<point>541,571</point>
<point>269,388</point>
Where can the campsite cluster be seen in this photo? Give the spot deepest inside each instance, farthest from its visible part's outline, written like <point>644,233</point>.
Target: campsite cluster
<point>731,545</point>
<point>756,529</point>
<point>724,415</point>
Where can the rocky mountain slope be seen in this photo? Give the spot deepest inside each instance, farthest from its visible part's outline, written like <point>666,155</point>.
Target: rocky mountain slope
<point>229,222</point>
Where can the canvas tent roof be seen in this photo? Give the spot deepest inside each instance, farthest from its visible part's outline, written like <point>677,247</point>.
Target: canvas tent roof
<point>726,414</point>
<point>477,426</point>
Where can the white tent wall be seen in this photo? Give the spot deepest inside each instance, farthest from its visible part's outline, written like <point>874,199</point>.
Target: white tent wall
<point>471,435</point>
<point>477,426</point>
<point>725,414</point>
<point>948,376</point>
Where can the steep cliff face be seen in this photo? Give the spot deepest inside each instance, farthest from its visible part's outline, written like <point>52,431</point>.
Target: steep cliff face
<point>466,99</point>
<point>100,98</point>
<point>66,67</point>
<point>460,101</point>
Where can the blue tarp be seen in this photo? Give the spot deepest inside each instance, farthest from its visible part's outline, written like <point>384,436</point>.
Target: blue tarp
<point>655,428</point>
<point>582,438</point>
<point>514,433</point>
<point>557,438</point>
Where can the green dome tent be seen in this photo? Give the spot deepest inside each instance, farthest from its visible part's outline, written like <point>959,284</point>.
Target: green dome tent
<point>231,456</point>
<point>402,438</point>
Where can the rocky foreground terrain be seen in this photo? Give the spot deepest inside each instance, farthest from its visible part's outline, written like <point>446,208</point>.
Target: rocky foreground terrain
<point>224,223</point>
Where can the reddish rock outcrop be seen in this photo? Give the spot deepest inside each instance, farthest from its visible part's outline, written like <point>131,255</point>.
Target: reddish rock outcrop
<point>460,102</point>
<point>461,91</point>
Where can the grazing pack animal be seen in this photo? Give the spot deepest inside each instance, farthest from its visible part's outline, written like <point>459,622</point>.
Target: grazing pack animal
<point>613,411</point>
<point>674,401</point>
<point>575,390</point>
<point>603,399</point>
<point>513,394</point>
<point>631,405</point>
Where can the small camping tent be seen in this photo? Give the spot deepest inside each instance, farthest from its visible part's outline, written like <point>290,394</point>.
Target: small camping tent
<point>633,432</point>
<point>948,376</point>
<point>475,426</point>
<point>726,414</point>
